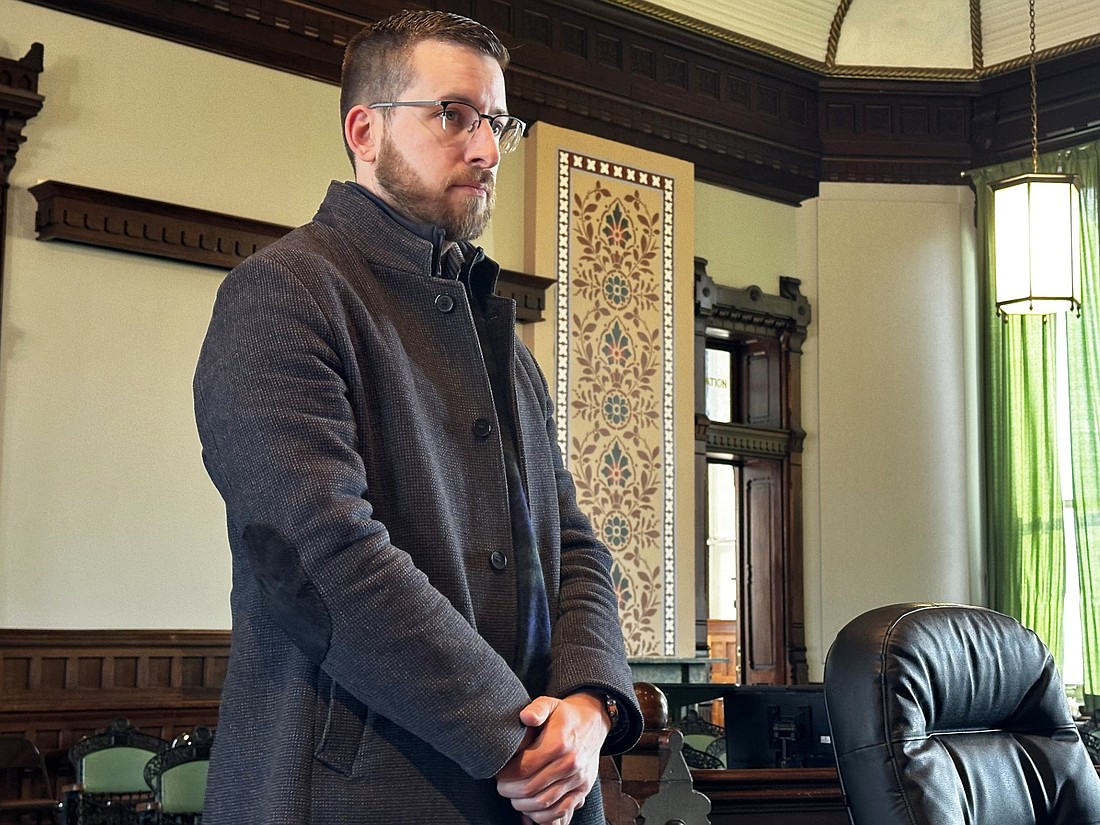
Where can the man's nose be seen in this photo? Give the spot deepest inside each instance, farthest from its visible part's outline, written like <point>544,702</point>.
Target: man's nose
<point>483,149</point>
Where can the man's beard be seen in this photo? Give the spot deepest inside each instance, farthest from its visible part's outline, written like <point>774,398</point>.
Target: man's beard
<point>416,201</point>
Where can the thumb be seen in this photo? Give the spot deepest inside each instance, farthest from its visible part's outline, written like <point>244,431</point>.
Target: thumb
<point>536,713</point>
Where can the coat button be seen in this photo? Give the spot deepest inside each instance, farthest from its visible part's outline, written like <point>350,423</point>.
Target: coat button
<point>444,303</point>
<point>498,560</point>
<point>482,427</point>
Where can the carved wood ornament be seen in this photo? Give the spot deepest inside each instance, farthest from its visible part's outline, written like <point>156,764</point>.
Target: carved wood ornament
<point>19,102</point>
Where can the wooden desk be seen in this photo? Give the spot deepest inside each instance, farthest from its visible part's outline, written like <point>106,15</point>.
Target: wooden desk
<point>785,796</point>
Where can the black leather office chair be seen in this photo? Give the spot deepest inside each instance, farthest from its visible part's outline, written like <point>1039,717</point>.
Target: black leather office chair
<point>954,715</point>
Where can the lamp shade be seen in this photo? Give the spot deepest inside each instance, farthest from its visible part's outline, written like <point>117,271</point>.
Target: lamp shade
<point>1037,243</point>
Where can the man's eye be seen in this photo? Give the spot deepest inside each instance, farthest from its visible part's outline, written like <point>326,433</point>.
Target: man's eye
<point>497,127</point>
<point>449,116</point>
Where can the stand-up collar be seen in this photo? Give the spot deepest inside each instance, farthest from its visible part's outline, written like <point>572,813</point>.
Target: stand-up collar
<point>385,236</point>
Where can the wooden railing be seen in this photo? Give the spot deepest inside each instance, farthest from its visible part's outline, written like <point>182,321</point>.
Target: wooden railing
<point>59,685</point>
<point>651,783</point>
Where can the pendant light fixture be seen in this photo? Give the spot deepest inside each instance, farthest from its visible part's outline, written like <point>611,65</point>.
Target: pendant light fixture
<point>1036,232</point>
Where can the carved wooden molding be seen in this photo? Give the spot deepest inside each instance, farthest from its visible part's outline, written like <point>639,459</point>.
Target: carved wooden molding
<point>130,224</point>
<point>723,309</point>
<point>148,227</point>
<point>19,102</point>
<point>528,291</point>
<point>740,440</point>
<point>753,121</point>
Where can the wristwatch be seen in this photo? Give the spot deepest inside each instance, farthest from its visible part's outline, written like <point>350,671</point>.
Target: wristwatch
<point>611,704</point>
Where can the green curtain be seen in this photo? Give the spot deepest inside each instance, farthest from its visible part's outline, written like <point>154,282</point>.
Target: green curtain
<point>1026,550</point>
<point>1083,359</point>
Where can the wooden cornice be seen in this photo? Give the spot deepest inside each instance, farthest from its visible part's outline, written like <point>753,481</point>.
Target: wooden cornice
<point>166,230</point>
<point>745,119</point>
<point>130,224</point>
<point>724,310</point>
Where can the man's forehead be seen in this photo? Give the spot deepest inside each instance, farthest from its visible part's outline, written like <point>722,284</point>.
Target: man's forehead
<point>452,71</point>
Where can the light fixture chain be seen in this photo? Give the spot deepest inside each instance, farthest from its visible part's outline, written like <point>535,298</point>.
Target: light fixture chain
<point>1034,96</point>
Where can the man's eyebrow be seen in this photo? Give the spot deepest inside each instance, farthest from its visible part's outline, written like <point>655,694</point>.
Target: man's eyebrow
<point>459,98</point>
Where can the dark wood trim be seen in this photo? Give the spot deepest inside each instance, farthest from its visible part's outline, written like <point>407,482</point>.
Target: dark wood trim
<point>19,102</point>
<point>772,616</point>
<point>126,223</point>
<point>745,119</point>
<point>166,230</point>
<point>528,291</point>
<point>1068,92</point>
<point>773,797</point>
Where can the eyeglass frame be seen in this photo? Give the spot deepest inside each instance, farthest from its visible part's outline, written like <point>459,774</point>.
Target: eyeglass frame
<point>522,128</point>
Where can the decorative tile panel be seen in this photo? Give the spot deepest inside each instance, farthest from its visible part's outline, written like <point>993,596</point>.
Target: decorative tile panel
<point>615,378</point>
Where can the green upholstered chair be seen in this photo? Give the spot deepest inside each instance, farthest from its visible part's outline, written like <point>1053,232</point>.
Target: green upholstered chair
<point>110,775</point>
<point>704,742</point>
<point>178,779</point>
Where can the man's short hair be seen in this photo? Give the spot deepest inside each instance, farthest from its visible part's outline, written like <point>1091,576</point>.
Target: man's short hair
<point>377,65</point>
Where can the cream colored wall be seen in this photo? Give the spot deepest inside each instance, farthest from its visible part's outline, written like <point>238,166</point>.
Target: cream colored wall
<point>107,518</point>
<point>889,402</point>
<point>747,241</point>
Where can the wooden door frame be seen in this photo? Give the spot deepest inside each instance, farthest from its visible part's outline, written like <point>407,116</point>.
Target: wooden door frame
<point>728,312</point>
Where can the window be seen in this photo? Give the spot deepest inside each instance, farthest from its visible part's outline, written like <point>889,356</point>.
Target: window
<point>1041,403</point>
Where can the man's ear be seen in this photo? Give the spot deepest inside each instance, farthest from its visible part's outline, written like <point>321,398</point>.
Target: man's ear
<point>363,132</point>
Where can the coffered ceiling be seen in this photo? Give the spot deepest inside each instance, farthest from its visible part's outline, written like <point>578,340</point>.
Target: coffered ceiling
<point>947,39</point>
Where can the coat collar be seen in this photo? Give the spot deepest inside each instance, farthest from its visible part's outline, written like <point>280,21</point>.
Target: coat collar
<point>384,238</point>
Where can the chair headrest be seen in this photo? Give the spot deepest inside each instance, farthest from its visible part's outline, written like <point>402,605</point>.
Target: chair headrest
<point>948,667</point>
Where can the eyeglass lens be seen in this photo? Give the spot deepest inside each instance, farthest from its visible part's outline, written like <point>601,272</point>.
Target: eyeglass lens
<point>507,129</point>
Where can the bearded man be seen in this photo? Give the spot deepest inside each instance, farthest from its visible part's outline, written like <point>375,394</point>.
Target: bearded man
<point>424,625</point>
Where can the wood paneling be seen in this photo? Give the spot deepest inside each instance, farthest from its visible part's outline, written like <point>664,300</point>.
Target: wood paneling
<point>58,685</point>
<point>764,572</point>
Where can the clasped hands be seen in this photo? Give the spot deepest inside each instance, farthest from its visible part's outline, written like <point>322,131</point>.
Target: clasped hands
<point>558,760</point>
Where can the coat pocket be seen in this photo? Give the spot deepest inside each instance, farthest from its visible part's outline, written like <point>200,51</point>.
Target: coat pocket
<point>345,724</point>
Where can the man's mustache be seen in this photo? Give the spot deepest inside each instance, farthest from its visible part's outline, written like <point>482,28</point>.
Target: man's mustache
<point>483,178</point>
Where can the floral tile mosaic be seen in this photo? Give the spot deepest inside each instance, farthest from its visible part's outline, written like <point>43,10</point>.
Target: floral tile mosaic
<point>615,381</point>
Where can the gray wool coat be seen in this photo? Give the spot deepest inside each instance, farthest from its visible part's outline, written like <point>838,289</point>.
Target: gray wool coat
<point>347,420</point>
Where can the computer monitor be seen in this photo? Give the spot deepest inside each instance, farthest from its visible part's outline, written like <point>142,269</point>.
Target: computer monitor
<point>777,726</point>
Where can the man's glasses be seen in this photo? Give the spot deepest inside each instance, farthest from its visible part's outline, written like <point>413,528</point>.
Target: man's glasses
<point>457,118</point>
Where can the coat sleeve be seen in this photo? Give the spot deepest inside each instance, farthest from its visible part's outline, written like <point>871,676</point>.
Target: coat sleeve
<point>587,648</point>
<point>279,440</point>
